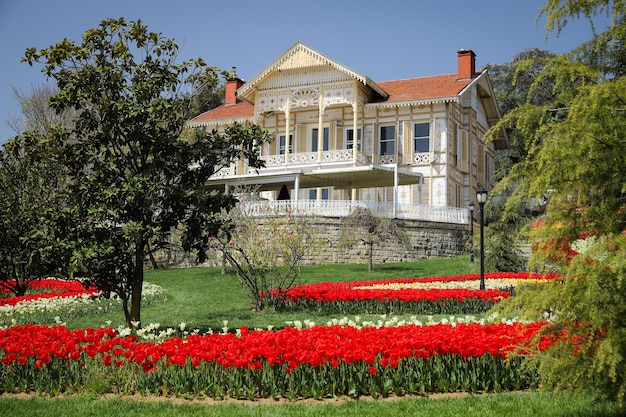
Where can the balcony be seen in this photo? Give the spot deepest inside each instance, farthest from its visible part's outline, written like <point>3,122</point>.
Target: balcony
<point>316,158</point>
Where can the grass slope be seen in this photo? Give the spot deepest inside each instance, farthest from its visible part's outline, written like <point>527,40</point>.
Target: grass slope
<point>203,298</point>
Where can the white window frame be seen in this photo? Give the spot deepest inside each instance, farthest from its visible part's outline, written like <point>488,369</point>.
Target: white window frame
<point>282,144</point>
<point>326,139</point>
<point>325,194</point>
<point>349,140</point>
<point>387,141</point>
<point>415,138</point>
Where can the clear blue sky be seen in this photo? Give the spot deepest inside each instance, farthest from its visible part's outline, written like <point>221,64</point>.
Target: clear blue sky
<point>385,40</point>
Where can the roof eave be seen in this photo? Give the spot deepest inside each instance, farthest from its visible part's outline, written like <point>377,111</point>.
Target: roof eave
<point>426,101</point>
<point>502,140</point>
<point>215,122</point>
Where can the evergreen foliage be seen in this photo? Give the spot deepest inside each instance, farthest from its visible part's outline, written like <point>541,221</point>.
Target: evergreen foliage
<point>576,153</point>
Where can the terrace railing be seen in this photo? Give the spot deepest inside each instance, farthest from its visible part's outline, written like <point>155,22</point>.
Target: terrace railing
<point>342,208</point>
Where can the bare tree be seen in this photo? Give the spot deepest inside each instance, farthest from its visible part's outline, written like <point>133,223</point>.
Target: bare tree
<point>364,226</point>
<point>37,114</point>
<point>266,253</point>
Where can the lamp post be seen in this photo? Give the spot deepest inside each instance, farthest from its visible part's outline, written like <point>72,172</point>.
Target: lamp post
<point>472,207</point>
<point>481,197</point>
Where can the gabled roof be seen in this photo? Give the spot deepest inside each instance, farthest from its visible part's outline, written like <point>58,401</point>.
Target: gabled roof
<point>301,55</point>
<point>435,88</point>
<point>408,91</point>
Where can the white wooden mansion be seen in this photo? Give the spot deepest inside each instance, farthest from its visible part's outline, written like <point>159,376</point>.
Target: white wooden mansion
<point>409,149</point>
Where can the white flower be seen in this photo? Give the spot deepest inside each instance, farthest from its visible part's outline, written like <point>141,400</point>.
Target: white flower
<point>124,331</point>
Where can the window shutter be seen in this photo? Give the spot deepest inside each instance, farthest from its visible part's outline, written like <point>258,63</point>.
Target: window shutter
<point>407,142</point>
<point>273,146</point>
<point>332,136</point>
<point>459,150</point>
<point>368,140</point>
<point>340,139</point>
<point>481,163</point>
<point>300,141</point>
<point>464,150</point>
<point>432,137</point>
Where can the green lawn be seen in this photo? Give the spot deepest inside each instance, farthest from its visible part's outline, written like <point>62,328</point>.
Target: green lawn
<point>203,298</point>
<point>507,404</point>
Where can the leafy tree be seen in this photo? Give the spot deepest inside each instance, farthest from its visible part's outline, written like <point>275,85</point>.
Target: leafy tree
<point>132,177</point>
<point>364,226</point>
<point>516,83</point>
<point>577,151</point>
<point>605,50</point>
<point>502,251</point>
<point>33,213</point>
<point>35,207</point>
<point>265,252</point>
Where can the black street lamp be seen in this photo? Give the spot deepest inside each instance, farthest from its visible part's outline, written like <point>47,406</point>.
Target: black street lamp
<point>481,197</point>
<point>472,207</point>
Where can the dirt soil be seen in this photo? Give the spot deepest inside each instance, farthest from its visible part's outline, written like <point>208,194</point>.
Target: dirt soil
<point>259,401</point>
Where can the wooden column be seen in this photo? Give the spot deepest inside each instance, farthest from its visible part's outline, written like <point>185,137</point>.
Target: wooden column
<point>287,125</point>
<point>355,133</point>
<point>320,126</point>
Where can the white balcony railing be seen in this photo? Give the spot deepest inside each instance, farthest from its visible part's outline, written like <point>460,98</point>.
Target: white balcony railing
<point>342,208</point>
<point>300,158</point>
<point>339,155</point>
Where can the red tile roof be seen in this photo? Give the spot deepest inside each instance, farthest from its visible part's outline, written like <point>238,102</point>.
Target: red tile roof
<point>423,88</point>
<point>410,89</point>
<point>225,112</point>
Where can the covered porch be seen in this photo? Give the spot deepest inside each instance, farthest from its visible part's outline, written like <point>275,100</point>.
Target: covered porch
<point>351,178</point>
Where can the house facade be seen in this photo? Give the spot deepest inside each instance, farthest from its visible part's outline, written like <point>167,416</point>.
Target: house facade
<point>408,149</point>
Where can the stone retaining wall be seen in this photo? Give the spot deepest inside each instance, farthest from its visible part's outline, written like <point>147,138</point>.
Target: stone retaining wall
<point>425,240</point>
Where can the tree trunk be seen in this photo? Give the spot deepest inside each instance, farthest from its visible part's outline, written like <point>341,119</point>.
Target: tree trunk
<point>136,289</point>
<point>126,311</point>
<point>153,261</point>
<point>371,255</point>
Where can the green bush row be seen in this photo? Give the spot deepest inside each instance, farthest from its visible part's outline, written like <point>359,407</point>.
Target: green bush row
<point>375,306</point>
<point>415,375</point>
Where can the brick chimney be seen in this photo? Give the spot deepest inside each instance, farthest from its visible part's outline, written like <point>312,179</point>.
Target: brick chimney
<point>232,85</point>
<point>467,63</point>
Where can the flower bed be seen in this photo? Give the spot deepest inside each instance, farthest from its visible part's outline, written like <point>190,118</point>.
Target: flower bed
<point>315,362</point>
<point>433,295</point>
<point>50,288</point>
<point>61,299</point>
